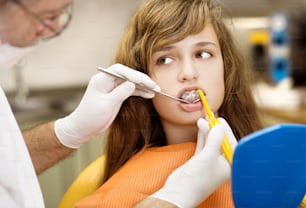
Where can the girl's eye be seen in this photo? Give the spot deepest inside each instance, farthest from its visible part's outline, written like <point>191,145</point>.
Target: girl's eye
<point>204,55</point>
<point>164,60</point>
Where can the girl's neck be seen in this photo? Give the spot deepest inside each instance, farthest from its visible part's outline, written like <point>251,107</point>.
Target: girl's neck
<point>180,134</point>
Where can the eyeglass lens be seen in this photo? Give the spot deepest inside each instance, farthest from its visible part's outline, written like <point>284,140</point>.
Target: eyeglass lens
<point>63,21</point>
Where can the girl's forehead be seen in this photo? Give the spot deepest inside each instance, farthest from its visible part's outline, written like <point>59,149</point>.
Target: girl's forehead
<point>206,35</point>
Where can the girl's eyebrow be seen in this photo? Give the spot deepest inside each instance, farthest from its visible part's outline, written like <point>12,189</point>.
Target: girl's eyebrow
<point>166,48</point>
<point>206,43</point>
<point>202,43</point>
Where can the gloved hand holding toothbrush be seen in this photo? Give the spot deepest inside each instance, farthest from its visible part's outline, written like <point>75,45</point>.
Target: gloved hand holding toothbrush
<point>100,105</point>
<point>200,176</point>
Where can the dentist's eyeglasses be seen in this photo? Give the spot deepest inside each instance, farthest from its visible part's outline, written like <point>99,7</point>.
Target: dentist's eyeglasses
<point>55,24</point>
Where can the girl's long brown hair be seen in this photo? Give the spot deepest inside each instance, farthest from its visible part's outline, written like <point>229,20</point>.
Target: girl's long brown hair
<point>158,23</point>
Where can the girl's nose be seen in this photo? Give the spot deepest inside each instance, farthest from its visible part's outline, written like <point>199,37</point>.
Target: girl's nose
<point>188,72</point>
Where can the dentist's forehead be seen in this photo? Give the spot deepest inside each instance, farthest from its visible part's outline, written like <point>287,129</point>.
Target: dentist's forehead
<point>46,5</point>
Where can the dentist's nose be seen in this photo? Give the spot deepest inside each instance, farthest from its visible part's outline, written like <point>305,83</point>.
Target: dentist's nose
<point>188,72</point>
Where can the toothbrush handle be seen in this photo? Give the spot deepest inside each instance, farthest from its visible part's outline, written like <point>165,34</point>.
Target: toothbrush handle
<point>212,121</point>
<point>227,150</point>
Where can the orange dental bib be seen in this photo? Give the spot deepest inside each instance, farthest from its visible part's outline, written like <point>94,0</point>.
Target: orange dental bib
<point>145,173</point>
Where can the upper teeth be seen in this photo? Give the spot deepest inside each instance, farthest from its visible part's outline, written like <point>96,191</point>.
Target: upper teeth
<point>190,96</point>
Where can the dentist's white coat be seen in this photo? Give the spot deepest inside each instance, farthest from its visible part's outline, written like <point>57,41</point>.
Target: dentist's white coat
<point>19,187</point>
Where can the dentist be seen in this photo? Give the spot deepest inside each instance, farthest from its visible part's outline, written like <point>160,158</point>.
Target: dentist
<point>23,23</point>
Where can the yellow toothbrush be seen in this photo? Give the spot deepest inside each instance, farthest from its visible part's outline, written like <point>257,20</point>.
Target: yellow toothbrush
<point>212,121</point>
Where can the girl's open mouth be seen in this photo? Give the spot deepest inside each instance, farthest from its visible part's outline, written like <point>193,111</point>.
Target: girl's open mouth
<point>191,96</point>
<point>193,99</point>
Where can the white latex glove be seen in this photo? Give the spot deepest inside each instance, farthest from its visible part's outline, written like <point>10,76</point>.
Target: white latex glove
<point>100,104</point>
<point>200,176</point>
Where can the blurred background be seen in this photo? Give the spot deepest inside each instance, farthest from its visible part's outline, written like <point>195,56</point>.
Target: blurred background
<point>49,82</point>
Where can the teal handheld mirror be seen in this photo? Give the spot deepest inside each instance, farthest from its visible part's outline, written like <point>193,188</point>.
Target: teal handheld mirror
<point>269,168</point>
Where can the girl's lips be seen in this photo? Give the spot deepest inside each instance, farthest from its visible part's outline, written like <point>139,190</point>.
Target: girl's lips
<point>191,107</point>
